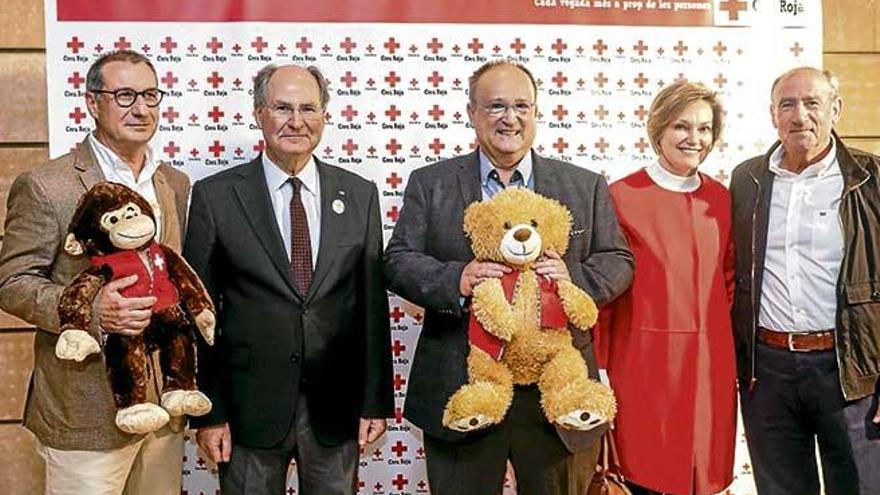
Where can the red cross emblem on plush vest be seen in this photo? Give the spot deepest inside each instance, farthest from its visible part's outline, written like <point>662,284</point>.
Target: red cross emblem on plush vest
<point>125,263</point>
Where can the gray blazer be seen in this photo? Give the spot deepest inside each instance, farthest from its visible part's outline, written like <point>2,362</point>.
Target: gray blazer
<point>428,251</point>
<point>69,405</point>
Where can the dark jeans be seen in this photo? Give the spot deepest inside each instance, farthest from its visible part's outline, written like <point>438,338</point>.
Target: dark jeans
<point>797,401</point>
<point>543,466</point>
<point>320,470</point>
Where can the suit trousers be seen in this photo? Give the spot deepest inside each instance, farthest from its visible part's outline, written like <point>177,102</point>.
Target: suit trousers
<point>150,466</point>
<point>797,401</point>
<point>320,469</point>
<point>477,464</point>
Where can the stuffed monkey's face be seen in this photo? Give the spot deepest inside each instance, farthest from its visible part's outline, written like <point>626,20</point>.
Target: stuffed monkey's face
<point>128,227</point>
<point>521,243</point>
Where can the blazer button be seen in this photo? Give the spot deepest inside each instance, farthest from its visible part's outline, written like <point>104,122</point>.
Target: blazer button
<point>294,357</point>
<point>875,294</point>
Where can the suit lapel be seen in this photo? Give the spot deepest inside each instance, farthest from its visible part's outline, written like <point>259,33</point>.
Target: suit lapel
<point>335,205</point>
<point>87,165</point>
<point>546,180</point>
<point>253,196</point>
<point>171,234</point>
<point>469,178</point>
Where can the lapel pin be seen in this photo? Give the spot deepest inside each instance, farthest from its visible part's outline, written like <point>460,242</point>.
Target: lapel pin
<point>341,192</point>
<point>338,206</point>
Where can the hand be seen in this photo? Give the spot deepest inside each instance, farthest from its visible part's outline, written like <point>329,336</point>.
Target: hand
<point>370,430</point>
<point>123,315</point>
<point>216,442</point>
<point>205,322</point>
<point>477,271</point>
<point>551,265</point>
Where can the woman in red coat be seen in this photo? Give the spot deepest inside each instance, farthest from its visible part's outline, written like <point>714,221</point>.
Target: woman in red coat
<point>667,342</point>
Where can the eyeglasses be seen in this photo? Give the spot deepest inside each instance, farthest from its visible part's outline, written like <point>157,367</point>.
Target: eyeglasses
<point>126,97</point>
<point>307,111</point>
<point>497,109</point>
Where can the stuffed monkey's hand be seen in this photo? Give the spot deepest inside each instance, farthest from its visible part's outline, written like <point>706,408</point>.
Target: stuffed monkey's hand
<point>76,345</point>
<point>206,321</point>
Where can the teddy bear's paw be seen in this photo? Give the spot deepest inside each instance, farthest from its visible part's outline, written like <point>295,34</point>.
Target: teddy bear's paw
<point>186,402</point>
<point>141,418</point>
<point>582,420</point>
<point>76,345</point>
<point>205,322</point>
<point>470,423</point>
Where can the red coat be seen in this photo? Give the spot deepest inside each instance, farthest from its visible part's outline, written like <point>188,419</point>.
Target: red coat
<point>667,342</point>
<point>157,283</point>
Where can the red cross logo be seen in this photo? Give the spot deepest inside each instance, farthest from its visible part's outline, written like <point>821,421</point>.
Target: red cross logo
<point>475,45</point>
<point>349,147</point>
<point>392,79</point>
<point>559,79</point>
<point>260,146</point>
<point>77,115</point>
<point>349,113</point>
<point>99,48</point>
<point>721,176</point>
<point>720,48</point>
<point>170,114</point>
<point>122,44</point>
<point>169,79</point>
<point>393,147</point>
<point>733,8</point>
<point>720,80</point>
<point>396,314</point>
<point>168,44</point>
<point>601,145</point>
<point>601,112</point>
<point>347,45</point>
<point>640,47</point>
<point>796,49</point>
<point>171,149</point>
<point>214,44</point>
<point>75,44</point>
<point>392,113</point>
<point>258,44</point>
<point>560,112</point>
<point>399,448</point>
<point>215,114</point>
<point>436,112</point>
<point>303,45</point>
<point>216,148</point>
<point>391,45</point>
<point>517,46</point>
<point>641,80</point>
<point>560,145</point>
<point>398,347</point>
<point>680,48</point>
<point>559,46</point>
<point>642,145</point>
<point>399,481</point>
<point>600,47</point>
<point>434,46</point>
<point>398,415</point>
<point>436,146</point>
<point>348,79</point>
<point>600,79</point>
<point>435,79</point>
<point>215,79</point>
<point>393,213</point>
<point>75,80</point>
<point>640,112</point>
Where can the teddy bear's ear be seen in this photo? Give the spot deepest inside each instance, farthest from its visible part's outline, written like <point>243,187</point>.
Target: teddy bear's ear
<point>72,246</point>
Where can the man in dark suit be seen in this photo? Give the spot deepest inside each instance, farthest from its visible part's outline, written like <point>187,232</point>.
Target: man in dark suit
<point>429,262</point>
<point>290,249</point>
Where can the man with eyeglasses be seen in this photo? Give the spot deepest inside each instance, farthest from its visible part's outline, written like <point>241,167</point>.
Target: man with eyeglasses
<point>290,249</point>
<point>429,262</point>
<point>70,406</point>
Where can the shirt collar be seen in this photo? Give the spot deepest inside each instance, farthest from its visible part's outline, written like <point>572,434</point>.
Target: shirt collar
<point>276,177</point>
<point>109,160</point>
<point>524,166</point>
<point>825,166</point>
<point>671,182</point>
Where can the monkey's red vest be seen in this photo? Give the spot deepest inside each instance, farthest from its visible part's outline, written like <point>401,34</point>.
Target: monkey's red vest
<point>550,307</point>
<point>125,263</point>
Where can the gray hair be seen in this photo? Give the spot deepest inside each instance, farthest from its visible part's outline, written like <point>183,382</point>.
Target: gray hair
<point>475,77</point>
<point>94,78</point>
<point>261,84</point>
<point>830,78</point>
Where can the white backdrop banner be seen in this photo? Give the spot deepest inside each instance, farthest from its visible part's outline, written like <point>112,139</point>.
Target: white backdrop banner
<point>398,72</point>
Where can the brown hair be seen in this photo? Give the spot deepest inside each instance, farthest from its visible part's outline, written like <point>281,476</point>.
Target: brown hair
<point>672,100</point>
<point>94,78</point>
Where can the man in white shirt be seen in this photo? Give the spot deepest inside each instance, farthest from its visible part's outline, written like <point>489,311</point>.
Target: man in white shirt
<point>70,407</point>
<point>807,309</point>
<point>290,249</point>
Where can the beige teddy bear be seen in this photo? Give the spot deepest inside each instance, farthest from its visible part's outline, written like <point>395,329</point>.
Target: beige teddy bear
<point>519,326</point>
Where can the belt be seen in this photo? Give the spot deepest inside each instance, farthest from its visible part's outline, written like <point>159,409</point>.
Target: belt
<point>822,340</point>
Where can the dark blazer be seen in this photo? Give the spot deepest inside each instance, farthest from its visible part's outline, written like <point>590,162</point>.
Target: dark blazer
<point>333,344</point>
<point>428,251</point>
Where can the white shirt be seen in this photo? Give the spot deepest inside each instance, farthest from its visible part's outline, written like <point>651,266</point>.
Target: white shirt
<point>281,192</point>
<point>116,170</point>
<point>671,182</point>
<point>804,247</point>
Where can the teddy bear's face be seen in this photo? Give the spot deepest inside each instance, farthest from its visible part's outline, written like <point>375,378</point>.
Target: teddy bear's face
<point>516,226</point>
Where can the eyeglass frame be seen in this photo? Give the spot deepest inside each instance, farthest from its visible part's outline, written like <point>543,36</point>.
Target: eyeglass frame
<point>141,94</point>
<point>288,111</point>
<point>500,109</point>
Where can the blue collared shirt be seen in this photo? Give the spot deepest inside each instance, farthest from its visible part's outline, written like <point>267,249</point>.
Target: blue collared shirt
<point>490,183</point>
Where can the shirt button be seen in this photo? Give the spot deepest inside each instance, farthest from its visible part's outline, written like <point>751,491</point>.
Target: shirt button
<point>294,357</point>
